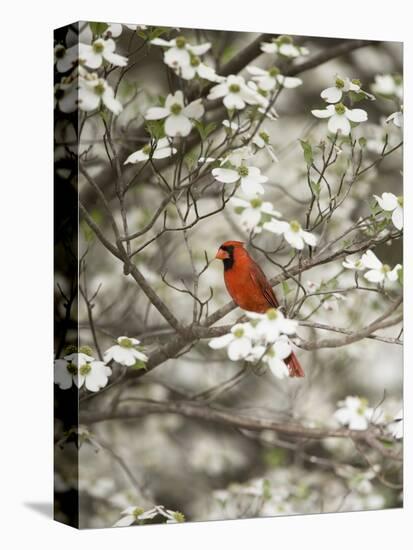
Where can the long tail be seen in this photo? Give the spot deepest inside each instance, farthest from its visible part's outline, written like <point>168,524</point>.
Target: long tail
<point>296,370</point>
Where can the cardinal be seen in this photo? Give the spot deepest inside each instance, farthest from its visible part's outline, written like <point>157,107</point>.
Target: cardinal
<point>249,287</point>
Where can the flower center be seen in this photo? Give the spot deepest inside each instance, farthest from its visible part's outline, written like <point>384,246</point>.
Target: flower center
<point>256,203</point>
<point>339,83</point>
<point>147,149</point>
<point>386,268</point>
<point>295,226</point>
<point>285,39</point>
<point>87,350</point>
<point>243,171</point>
<point>239,332</point>
<point>60,52</point>
<point>272,314</point>
<point>71,348</point>
<point>400,201</point>
<point>99,88</point>
<point>195,61</point>
<point>176,108</point>
<point>340,109</point>
<point>137,512</point>
<point>126,343</point>
<point>180,42</point>
<point>85,369</point>
<point>274,71</point>
<point>234,88</point>
<point>98,46</point>
<point>264,136</point>
<point>356,81</point>
<point>398,79</point>
<point>71,368</point>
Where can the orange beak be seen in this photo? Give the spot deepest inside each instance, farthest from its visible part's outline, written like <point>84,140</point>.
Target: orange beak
<point>222,254</point>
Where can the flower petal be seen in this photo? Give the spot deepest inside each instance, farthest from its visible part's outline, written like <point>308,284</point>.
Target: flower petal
<point>225,175</point>
<point>339,123</point>
<point>177,125</point>
<point>221,341</point>
<point>356,115</point>
<point>156,113</point>
<point>370,260</point>
<point>374,276</point>
<point>397,218</point>
<point>331,95</point>
<point>387,201</point>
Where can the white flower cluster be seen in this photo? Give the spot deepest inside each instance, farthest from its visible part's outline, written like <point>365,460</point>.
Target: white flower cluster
<point>284,46</point>
<point>136,515</point>
<point>263,338</point>
<point>340,117</point>
<point>377,272</point>
<point>81,88</point>
<point>184,58</point>
<point>82,369</point>
<point>256,214</point>
<point>390,87</point>
<point>354,413</point>
<point>394,206</point>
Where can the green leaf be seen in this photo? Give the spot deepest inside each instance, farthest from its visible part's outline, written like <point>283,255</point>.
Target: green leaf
<point>155,128</point>
<point>316,187</point>
<point>308,152</point>
<point>98,28</point>
<point>286,288</point>
<point>139,365</point>
<point>204,129</point>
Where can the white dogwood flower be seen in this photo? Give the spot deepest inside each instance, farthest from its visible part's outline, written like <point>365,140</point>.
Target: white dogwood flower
<point>284,45</point>
<point>250,178</point>
<point>390,203</point>
<point>396,426</point>
<point>94,91</point>
<point>125,352</point>
<point>65,58</point>
<point>251,212</point>
<point>342,85</point>
<point>178,117</point>
<point>134,514</point>
<point>178,51</point>
<point>159,149</point>
<point>354,413</point>
<point>355,264</point>
<point>262,141</point>
<point>236,93</point>
<point>388,85</point>
<point>340,117</point>
<point>378,272</point>
<point>197,68</point>
<point>292,232</point>
<point>396,118</point>
<point>270,325</point>
<point>93,55</point>
<point>81,369</point>
<point>238,342</point>
<point>275,355</point>
<point>267,80</point>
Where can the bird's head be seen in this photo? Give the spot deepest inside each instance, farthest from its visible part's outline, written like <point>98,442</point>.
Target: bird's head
<point>227,251</point>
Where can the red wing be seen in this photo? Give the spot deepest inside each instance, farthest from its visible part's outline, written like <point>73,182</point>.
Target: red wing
<point>259,278</point>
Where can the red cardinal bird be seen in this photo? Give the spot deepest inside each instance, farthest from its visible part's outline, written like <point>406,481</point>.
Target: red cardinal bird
<point>249,287</point>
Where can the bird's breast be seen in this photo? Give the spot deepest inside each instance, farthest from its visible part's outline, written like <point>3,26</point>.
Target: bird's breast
<point>244,291</point>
